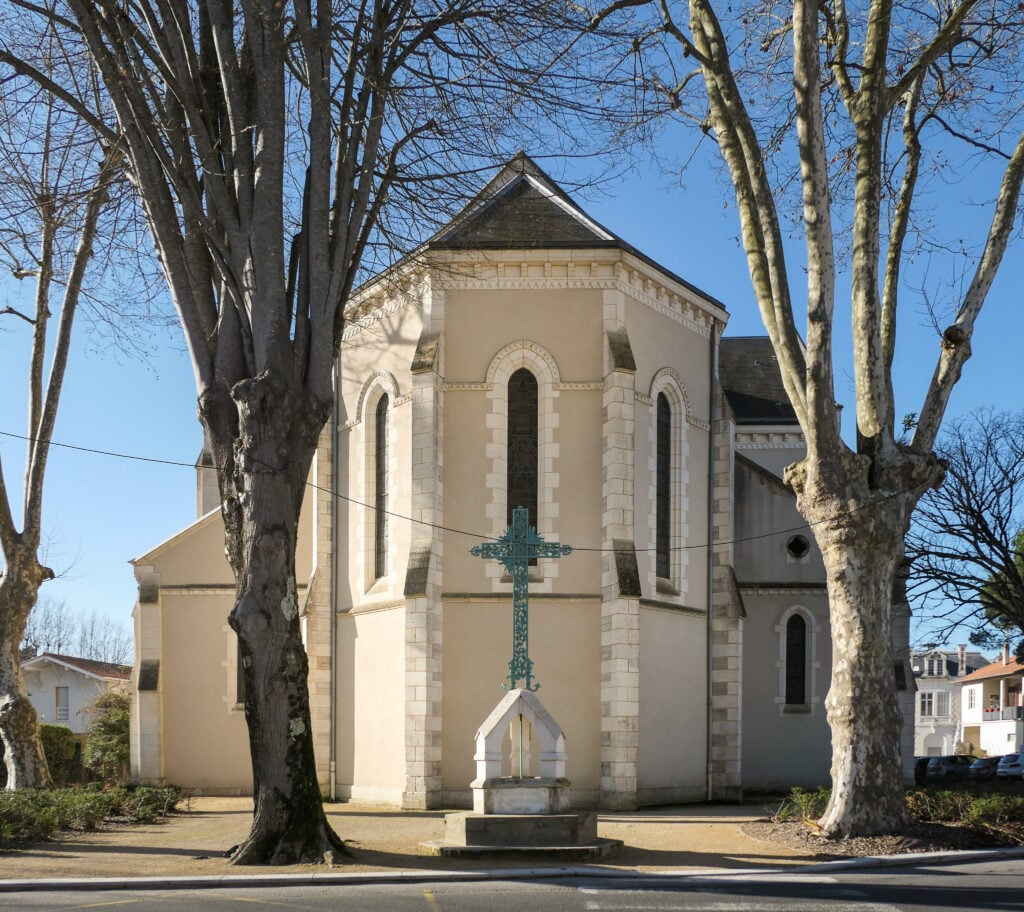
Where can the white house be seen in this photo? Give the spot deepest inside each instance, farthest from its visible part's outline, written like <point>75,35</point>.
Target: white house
<point>62,687</point>
<point>991,707</point>
<point>937,707</point>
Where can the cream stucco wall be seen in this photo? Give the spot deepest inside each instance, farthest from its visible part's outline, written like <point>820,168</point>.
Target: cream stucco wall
<point>565,645</point>
<point>370,705</point>
<point>208,748</point>
<point>673,706</point>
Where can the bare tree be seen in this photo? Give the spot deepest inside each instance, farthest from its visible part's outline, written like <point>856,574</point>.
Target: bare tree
<point>55,182</point>
<point>53,627</point>
<point>850,108</point>
<point>966,541</point>
<point>50,628</point>
<point>278,148</point>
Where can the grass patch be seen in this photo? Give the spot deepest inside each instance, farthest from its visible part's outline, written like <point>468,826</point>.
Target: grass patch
<point>31,816</point>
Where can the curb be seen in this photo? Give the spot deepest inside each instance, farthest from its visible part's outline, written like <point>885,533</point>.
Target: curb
<point>546,873</point>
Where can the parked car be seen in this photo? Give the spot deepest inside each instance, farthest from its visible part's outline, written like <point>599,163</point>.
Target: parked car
<point>952,766</point>
<point>1011,767</point>
<point>983,768</point>
<point>920,768</point>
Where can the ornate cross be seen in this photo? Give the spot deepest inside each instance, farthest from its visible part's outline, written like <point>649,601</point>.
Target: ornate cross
<point>514,549</point>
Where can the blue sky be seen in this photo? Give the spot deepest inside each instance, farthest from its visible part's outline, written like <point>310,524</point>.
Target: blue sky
<point>101,511</point>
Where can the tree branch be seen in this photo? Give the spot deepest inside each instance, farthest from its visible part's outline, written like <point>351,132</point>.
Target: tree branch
<point>956,340</point>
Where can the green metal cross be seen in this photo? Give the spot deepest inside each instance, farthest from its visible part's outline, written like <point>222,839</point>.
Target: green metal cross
<point>514,549</point>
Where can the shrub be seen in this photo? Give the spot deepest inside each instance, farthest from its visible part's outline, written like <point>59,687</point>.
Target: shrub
<point>29,815</point>
<point>106,746</point>
<point>803,804</point>
<point>996,809</point>
<point>59,747</point>
<point>930,805</point>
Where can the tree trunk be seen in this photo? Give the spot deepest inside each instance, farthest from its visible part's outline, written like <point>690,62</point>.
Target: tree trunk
<point>19,726</point>
<point>262,484</point>
<point>860,529</point>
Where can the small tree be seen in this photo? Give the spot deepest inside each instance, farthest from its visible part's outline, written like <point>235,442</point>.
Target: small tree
<point>106,745</point>
<point>59,746</point>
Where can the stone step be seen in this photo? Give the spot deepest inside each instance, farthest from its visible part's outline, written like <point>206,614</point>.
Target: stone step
<point>522,830</point>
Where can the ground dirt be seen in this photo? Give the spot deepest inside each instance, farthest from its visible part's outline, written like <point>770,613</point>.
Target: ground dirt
<point>194,842</point>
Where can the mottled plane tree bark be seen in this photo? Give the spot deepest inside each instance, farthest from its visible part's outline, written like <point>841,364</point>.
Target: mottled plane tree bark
<point>849,107</point>
<point>270,142</point>
<point>56,182</point>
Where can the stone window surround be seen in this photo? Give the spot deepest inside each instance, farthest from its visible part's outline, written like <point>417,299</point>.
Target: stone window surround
<point>536,359</point>
<point>811,663</point>
<point>377,385</point>
<point>669,382</point>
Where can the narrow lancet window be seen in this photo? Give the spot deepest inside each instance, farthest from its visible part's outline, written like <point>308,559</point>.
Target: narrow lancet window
<point>663,489</point>
<point>522,444</point>
<point>796,661</point>
<point>380,538</point>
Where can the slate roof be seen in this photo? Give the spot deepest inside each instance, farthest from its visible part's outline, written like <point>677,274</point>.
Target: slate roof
<point>749,373</point>
<point>89,666</point>
<point>950,660</point>
<point>521,207</point>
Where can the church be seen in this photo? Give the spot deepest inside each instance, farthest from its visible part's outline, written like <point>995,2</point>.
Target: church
<point>528,357</point>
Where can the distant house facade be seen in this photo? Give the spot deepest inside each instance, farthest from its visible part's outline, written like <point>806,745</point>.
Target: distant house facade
<point>937,708</point>
<point>529,358</point>
<point>61,687</point>
<point>992,707</point>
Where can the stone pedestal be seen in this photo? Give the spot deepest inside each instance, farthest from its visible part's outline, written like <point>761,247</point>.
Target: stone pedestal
<point>521,814</point>
<point>515,795</point>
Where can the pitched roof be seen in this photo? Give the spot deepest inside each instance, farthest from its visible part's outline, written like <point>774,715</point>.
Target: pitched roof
<point>750,376</point>
<point>521,207</point>
<point>89,666</point>
<point>997,669</point>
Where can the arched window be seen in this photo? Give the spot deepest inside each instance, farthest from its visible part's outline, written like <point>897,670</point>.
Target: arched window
<point>796,661</point>
<point>663,489</point>
<point>522,444</point>
<point>380,519</point>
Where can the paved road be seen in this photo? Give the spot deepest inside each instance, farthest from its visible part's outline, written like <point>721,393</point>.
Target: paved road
<point>980,887</point>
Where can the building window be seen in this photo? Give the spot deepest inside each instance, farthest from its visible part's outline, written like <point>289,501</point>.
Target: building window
<point>522,445</point>
<point>972,698</point>
<point>941,703</point>
<point>798,547</point>
<point>380,466</point>
<point>663,489</point>
<point>796,661</point>
<point>927,704</point>
<point>63,705</point>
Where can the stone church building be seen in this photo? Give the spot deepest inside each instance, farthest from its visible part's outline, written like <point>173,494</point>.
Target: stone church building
<point>525,356</point>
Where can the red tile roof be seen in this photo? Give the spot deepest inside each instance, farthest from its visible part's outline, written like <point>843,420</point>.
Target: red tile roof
<point>91,666</point>
<point>997,669</point>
